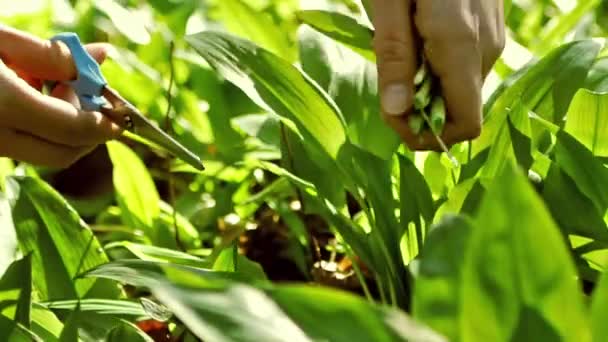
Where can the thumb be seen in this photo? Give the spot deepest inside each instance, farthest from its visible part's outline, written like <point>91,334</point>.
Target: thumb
<point>42,59</point>
<point>396,54</point>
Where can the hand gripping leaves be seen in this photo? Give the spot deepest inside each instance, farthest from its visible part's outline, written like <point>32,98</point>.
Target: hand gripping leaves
<point>429,107</point>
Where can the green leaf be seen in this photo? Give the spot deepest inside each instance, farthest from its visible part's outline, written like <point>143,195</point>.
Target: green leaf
<point>128,23</point>
<point>135,190</point>
<point>415,195</point>
<point>587,121</point>
<point>16,288</point>
<point>354,89</point>
<point>599,309</point>
<point>229,260</point>
<point>148,274</point>
<point>224,316</point>
<point>70,329</point>
<point>159,254</point>
<point>310,307</point>
<point>251,23</point>
<point>574,212</point>
<point>14,332</point>
<point>276,85</point>
<point>588,172</point>
<point>556,78</point>
<point>342,28</point>
<point>9,246</point>
<point>517,264</point>
<point>61,244</point>
<point>522,146</point>
<point>291,313</point>
<point>100,306</point>
<point>438,300</point>
<point>45,323</point>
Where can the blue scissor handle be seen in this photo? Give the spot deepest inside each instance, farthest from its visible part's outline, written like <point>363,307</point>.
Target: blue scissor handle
<point>90,82</point>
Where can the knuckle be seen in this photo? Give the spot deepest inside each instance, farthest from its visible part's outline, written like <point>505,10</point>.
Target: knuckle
<point>391,47</point>
<point>60,56</point>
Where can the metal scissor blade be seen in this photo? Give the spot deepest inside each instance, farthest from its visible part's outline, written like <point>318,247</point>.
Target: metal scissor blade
<point>138,124</point>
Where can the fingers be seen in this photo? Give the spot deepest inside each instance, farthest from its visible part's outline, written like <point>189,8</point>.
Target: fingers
<point>451,45</point>
<point>53,119</point>
<point>396,54</point>
<point>24,147</point>
<point>41,58</point>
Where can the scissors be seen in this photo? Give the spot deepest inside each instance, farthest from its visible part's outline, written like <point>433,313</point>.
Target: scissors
<point>94,94</point>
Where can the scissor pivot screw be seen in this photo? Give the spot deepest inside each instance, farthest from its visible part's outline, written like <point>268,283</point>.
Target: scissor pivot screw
<point>128,122</point>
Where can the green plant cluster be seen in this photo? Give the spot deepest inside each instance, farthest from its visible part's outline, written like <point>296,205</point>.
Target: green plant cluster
<point>280,100</point>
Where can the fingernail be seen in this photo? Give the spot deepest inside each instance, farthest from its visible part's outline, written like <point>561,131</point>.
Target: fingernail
<point>395,99</point>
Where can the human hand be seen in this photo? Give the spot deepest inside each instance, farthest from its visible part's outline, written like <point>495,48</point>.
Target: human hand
<point>36,128</point>
<point>462,39</point>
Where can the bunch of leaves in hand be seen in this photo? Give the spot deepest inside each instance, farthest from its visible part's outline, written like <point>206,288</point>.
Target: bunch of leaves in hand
<point>429,105</point>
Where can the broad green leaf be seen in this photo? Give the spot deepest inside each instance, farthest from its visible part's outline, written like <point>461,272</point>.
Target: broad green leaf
<point>588,172</point>
<point>439,283</point>
<point>295,159</point>
<point>597,79</point>
<point>522,146</point>
<point>148,274</point>
<point>556,77</point>
<point>291,313</point>
<point>599,309</point>
<point>342,28</point>
<point>354,89</point>
<point>45,323</point>
<point>255,25</point>
<point>135,190</point>
<point>456,198</point>
<point>310,306</point>
<point>587,121</point>
<point>232,314</point>
<point>512,142</point>
<point>517,268</point>
<point>274,84</point>
<point>100,306</point>
<point>159,254</point>
<point>230,260</point>
<point>61,244</point>
<point>9,246</point>
<point>16,291</point>
<point>165,225</point>
<point>415,195</point>
<point>14,332</point>
<point>572,210</point>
